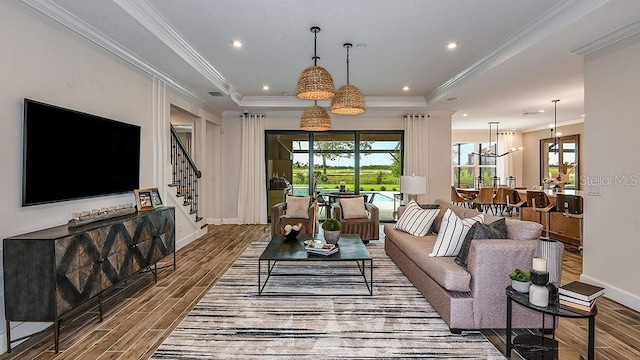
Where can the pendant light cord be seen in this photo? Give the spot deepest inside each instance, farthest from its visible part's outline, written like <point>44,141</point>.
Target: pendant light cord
<point>348,46</point>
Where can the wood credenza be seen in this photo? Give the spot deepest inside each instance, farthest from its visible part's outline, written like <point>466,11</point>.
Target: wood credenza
<point>48,273</point>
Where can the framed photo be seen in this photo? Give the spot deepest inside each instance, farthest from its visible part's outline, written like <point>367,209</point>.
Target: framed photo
<point>155,198</point>
<point>143,199</point>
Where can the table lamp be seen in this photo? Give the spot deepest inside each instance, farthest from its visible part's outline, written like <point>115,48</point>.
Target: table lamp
<point>413,185</point>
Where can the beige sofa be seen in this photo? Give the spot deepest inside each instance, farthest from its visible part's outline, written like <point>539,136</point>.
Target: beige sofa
<point>472,298</point>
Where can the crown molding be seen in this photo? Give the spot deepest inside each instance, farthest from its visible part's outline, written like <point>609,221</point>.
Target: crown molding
<point>563,14</point>
<point>609,39</point>
<point>147,16</point>
<point>56,13</point>
<point>295,103</point>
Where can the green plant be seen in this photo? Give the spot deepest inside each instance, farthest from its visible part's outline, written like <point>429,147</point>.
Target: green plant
<point>331,224</point>
<point>519,275</point>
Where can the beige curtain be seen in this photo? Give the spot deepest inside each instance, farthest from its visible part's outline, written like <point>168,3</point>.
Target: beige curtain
<point>252,193</point>
<point>415,148</point>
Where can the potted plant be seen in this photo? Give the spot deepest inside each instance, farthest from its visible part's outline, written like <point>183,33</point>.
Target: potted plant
<point>331,229</point>
<point>520,280</point>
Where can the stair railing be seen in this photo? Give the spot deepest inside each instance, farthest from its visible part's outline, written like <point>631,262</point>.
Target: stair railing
<point>185,173</point>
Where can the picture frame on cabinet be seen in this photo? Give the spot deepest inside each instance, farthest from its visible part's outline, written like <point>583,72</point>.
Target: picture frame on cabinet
<point>156,200</point>
<point>143,199</point>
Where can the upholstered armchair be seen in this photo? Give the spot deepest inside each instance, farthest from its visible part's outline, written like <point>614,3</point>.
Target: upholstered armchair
<point>358,217</point>
<point>307,216</point>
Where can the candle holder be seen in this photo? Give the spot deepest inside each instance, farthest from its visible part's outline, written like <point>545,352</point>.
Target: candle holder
<point>538,292</point>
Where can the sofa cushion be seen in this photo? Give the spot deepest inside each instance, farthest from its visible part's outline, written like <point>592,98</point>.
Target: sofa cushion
<point>462,212</point>
<point>353,208</point>
<point>297,207</point>
<point>495,230</point>
<point>443,270</point>
<point>452,232</point>
<point>415,220</point>
<point>523,230</point>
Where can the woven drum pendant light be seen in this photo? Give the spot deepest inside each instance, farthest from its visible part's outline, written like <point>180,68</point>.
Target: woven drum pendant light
<point>315,118</point>
<point>315,82</point>
<point>348,99</point>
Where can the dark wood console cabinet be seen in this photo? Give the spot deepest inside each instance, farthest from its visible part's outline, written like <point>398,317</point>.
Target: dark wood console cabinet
<point>50,272</point>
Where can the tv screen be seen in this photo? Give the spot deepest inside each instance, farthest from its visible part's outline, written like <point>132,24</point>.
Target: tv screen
<point>68,155</point>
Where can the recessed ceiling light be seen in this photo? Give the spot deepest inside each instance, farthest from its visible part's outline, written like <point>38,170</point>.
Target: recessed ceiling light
<point>265,87</point>
<point>541,110</point>
<point>582,115</point>
<point>285,94</point>
<point>406,88</point>
<point>237,43</point>
<point>452,45</point>
<point>465,114</point>
<point>453,99</point>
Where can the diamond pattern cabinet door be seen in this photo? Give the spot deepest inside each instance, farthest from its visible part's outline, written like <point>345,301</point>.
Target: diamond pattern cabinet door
<point>77,269</point>
<point>115,258</point>
<point>154,238</point>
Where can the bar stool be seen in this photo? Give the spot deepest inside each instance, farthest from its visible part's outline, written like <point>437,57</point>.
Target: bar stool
<point>540,203</point>
<point>572,207</point>
<point>517,203</point>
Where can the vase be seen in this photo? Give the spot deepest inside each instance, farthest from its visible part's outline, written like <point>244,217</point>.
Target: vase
<point>539,295</point>
<point>520,286</point>
<point>331,236</point>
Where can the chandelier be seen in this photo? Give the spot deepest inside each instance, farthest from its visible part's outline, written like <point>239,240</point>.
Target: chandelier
<point>315,118</point>
<point>348,99</point>
<point>315,82</point>
<point>489,151</point>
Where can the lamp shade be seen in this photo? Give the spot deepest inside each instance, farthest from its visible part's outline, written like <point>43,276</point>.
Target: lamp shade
<point>348,101</point>
<point>315,118</point>
<point>315,83</point>
<point>411,184</point>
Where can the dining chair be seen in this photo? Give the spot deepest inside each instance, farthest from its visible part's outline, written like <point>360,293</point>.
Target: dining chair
<point>539,202</point>
<point>484,200</point>
<point>458,199</point>
<point>500,199</point>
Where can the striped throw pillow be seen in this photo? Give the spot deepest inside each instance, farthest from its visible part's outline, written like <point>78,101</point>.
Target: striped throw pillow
<point>416,220</point>
<point>452,233</point>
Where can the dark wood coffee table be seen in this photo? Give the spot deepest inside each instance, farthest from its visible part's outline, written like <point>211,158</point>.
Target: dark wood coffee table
<point>352,249</point>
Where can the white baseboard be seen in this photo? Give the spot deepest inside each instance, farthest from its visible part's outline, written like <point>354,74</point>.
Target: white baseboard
<point>230,221</point>
<point>615,293</point>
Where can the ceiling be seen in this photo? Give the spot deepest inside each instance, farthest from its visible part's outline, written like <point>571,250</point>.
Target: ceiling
<point>512,58</point>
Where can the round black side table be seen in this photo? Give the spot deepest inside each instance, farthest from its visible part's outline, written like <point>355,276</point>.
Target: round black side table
<point>539,346</point>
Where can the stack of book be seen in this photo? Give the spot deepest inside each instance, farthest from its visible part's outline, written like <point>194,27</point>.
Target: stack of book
<point>323,249</point>
<point>579,297</point>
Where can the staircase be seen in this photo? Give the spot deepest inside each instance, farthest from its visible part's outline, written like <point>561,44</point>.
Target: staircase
<point>185,174</point>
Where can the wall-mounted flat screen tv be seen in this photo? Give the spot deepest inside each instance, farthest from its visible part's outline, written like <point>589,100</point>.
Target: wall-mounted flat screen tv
<point>69,155</point>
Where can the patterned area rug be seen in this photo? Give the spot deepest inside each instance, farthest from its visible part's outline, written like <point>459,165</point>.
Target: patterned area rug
<point>233,322</point>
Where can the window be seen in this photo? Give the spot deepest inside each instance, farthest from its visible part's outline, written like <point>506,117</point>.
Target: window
<point>324,161</point>
<point>473,170</point>
<point>560,157</point>
<point>463,165</point>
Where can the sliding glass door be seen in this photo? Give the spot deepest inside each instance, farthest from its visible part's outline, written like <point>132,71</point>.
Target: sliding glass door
<point>302,163</point>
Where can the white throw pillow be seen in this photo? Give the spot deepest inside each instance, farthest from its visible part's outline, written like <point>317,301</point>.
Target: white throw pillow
<point>416,220</point>
<point>353,208</point>
<point>452,233</point>
<point>297,207</point>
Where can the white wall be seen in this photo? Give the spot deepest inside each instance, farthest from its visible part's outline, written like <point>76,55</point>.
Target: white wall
<point>43,61</point>
<point>612,219</point>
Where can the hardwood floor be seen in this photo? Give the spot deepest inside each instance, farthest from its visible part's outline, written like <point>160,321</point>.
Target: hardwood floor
<point>138,316</point>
